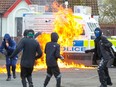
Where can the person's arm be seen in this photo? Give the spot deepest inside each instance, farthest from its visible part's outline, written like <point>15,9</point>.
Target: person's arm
<point>12,48</point>
<point>90,50</point>
<point>39,51</point>
<point>2,47</point>
<point>108,47</point>
<point>57,53</point>
<point>18,49</point>
<point>45,49</point>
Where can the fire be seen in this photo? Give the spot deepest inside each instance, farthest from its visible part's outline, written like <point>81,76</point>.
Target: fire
<point>3,68</point>
<point>66,25</point>
<point>73,65</point>
<point>67,28</point>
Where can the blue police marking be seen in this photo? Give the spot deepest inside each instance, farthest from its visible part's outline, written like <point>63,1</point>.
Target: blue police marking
<point>77,49</point>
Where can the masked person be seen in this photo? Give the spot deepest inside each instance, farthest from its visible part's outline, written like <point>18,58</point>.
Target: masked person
<point>30,47</point>
<point>102,50</point>
<point>52,51</point>
<point>7,47</point>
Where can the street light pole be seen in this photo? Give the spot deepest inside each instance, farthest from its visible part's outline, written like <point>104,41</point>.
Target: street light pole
<point>66,3</point>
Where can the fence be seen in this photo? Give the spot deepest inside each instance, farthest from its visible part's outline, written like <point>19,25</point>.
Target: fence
<point>108,29</point>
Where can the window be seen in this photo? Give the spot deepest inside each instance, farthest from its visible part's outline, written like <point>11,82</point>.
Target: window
<point>92,26</point>
<point>19,26</point>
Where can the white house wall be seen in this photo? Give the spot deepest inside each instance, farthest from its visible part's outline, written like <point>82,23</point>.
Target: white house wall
<point>9,24</point>
<point>4,26</point>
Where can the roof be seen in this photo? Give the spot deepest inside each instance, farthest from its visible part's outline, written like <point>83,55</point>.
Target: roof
<point>8,5</point>
<point>5,5</point>
<point>42,2</point>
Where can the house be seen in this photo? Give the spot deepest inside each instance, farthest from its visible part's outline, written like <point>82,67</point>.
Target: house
<point>11,13</point>
<point>11,16</point>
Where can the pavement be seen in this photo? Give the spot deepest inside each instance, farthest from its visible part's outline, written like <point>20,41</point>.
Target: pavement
<point>71,77</point>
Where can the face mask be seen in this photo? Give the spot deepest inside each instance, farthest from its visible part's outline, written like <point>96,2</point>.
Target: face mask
<point>97,33</point>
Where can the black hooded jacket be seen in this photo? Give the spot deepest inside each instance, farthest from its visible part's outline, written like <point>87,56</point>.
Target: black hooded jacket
<point>102,47</point>
<point>30,47</point>
<point>52,51</point>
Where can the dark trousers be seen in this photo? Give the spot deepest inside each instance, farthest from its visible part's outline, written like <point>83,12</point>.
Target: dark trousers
<point>104,73</point>
<point>53,71</point>
<point>11,63</point>
<point>26,73</point>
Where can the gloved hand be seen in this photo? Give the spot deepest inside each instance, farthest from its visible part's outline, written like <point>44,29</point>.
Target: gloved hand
<point>87,51</point>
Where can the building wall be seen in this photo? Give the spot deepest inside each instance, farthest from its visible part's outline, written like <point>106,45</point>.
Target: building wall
<point>4,26</point>
<point>0,25</point>
<point>108,29</point>
<point>9,23</point>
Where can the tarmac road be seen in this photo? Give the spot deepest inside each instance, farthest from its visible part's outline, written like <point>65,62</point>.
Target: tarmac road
<point>70,78</point>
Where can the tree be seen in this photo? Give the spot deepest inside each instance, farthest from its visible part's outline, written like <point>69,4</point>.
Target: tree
<point>107,10</point>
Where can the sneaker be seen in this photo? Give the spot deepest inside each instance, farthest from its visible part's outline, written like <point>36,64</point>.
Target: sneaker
<point>110,84</point>
<point>44,86</point>
<point>31,85</point>
<point>8,79</point>
<point>14,76</point>
<point>102,85</point>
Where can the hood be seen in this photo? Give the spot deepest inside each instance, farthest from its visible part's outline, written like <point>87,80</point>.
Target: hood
<point>7,37</point>
<point>98,32</point>
<point>25,33</point>
<point>54,37</point>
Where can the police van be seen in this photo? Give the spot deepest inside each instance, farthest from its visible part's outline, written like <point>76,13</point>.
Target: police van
<point>43,22</point>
